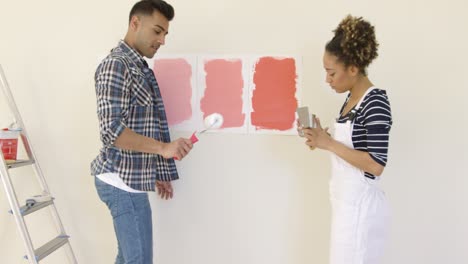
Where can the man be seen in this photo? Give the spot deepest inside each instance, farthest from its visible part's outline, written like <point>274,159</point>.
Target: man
<point>137,153</point>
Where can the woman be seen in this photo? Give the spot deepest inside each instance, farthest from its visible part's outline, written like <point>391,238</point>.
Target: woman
<point>358,146</point>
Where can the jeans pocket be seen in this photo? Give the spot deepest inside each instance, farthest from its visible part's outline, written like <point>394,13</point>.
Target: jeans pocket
<point>122,204</point>
<point>107,193</point>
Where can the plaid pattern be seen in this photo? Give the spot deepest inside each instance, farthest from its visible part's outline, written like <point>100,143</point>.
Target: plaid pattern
<point>128,96</point>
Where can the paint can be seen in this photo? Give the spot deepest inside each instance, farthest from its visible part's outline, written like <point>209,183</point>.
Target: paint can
<point>9,143</point>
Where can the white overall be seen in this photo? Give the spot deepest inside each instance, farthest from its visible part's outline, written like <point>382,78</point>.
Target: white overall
<point>359,208</point>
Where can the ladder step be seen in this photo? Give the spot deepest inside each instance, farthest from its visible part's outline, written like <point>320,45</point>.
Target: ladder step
<point>19,163</point>
<point>50,247</point>
<point>25,210</point>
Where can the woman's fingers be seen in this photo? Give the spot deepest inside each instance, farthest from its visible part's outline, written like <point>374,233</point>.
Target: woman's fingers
<point>311,132</point>
<point>311,144</point>
<point>317,121</point>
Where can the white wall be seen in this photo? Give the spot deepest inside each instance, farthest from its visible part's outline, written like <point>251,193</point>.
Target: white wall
<point>247,198</point>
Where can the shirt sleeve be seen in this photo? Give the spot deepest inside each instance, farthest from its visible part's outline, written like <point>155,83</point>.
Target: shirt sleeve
<point>112,95</point>
<point>378,122</point>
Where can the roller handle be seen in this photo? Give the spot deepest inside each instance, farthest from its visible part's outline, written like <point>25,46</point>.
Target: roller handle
<point>194,140</point>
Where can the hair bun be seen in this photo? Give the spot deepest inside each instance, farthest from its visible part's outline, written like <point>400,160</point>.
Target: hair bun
<point>358,41</point>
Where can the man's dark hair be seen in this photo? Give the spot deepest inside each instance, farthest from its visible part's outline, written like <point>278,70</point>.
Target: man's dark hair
<point>147,7</point>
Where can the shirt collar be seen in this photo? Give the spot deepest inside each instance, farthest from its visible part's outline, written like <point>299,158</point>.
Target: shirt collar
<point>132,53</point>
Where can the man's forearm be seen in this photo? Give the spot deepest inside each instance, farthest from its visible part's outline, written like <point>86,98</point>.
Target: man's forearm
<point>130,140</point>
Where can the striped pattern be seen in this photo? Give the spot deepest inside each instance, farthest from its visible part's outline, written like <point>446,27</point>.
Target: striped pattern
<point>372,124</point>
<point>128,96</point>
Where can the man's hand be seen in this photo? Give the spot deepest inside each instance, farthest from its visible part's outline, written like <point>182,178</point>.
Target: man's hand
<point>178,148</point>
<point>165,189</point>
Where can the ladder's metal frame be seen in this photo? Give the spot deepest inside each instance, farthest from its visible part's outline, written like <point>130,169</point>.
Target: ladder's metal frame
<point>33,256</point>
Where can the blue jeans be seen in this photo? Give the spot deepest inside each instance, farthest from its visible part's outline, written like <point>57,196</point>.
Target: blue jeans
<point>131,213</point>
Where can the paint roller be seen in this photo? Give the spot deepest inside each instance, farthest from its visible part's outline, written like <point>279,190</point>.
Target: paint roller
<point>212,121</point>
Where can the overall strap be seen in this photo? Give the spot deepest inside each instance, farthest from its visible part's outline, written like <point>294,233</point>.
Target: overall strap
<point>352,113</point>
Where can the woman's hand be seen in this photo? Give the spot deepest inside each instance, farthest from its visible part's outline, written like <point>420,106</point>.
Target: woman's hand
<point>300,128</point>
<point>317,137</point>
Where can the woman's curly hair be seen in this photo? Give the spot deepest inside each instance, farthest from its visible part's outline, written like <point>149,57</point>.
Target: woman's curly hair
<point>354,43</point>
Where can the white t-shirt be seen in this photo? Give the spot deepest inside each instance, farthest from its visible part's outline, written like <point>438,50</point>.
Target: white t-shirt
<point>114,180</point>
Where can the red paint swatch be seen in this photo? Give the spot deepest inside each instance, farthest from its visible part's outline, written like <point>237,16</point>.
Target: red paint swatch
<point>274,102</point>
<point>223,93</point>
<point>174,79</point>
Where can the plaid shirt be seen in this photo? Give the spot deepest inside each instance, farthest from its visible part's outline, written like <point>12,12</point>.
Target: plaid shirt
<point>128,96</point>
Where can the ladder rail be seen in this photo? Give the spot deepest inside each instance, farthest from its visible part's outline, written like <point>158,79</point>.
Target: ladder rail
<point>39,176</point>
<point>13,200</point>
<point>12,104</point>
<point>24,134</point>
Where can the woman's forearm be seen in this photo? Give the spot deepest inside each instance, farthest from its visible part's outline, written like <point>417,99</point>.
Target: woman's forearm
<point>357,158</point>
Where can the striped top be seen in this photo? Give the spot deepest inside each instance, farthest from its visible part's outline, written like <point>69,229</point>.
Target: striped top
<point>372,123</point>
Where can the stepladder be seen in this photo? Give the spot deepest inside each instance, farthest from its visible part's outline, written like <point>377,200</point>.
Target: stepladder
<point>36,202</point>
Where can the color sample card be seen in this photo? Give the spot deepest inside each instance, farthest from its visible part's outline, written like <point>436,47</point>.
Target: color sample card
<point>274,100</point>
<point>223,90</point>
<point>176,78</point>
<point>254,94</point>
